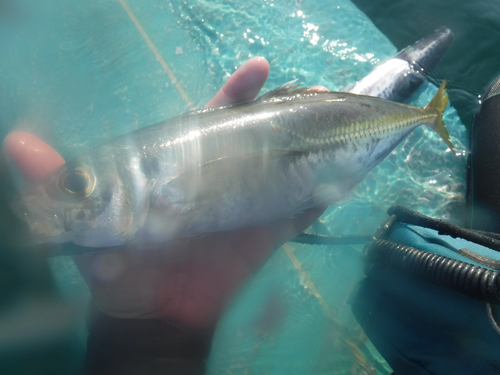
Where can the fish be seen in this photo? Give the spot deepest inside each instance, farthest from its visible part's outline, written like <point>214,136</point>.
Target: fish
<point>221,168</point>
<point>398,77</point>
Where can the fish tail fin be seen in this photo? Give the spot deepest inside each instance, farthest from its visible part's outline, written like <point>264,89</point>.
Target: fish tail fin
<point>437,105</point>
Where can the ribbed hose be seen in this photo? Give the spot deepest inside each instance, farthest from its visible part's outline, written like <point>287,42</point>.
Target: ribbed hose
<point>474,281</point>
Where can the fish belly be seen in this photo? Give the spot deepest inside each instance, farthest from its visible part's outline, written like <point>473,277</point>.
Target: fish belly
<point>240,194</point>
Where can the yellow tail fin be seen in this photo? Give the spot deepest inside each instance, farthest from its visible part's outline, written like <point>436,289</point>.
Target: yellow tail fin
<point>438,104</point>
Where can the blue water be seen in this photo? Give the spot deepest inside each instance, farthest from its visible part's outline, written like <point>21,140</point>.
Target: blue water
<point>83,73</point>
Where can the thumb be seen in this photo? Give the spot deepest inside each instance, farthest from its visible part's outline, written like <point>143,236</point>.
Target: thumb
<point>32,156</point>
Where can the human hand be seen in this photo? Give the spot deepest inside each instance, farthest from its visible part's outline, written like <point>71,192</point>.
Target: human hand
<point>189,282</point>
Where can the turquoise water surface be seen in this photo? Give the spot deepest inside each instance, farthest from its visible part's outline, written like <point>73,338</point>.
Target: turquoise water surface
<point>83,73</point>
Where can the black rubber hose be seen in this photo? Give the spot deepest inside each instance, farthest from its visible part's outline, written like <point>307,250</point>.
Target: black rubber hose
<point>474,281</point>
<point>320,239</point>
<point>405,215</point>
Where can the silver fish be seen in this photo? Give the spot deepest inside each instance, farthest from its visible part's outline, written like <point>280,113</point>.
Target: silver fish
<point>221,168</point>
<point>398,77</point>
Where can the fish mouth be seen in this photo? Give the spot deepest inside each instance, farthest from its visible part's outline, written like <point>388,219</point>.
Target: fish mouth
<point>43,227</point>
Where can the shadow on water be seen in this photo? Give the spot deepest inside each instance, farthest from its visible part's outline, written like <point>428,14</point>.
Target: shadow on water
<point>470,64</point>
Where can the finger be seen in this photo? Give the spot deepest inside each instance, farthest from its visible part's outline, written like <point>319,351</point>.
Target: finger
<point>32,157</point>
<point>318,89</point>
<point>244,84</point>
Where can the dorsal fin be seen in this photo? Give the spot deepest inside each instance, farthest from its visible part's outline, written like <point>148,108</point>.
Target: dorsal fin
<point>289,88</point>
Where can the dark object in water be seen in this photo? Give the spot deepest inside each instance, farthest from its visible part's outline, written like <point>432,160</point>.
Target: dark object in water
<point>483,198</point>
<point>475,281</point>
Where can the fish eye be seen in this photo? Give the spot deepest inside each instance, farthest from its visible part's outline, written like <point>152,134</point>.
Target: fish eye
<point>77,182</point>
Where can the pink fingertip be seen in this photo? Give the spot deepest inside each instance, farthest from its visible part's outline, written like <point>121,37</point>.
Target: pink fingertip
<point>318,89</point>
<point>33,157</point>
<point>244,84</point>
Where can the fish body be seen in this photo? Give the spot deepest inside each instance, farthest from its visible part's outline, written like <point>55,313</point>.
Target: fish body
<point>398,77</point>
<point>221,168</point>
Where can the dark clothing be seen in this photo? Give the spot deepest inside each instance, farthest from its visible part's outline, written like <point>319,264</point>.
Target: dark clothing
<point>144,346</point>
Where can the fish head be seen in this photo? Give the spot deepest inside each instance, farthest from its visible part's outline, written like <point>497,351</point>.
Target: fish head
<point>80,202</point>
<point>426,53</point>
